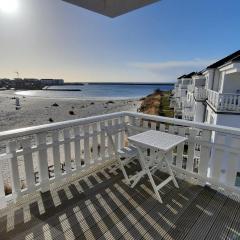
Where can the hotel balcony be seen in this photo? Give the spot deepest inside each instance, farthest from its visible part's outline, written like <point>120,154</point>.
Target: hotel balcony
<point>187,104</point>
<point>175,103</point>
<point>188,113</point>
<point>224,102</point>
<point>200,94</point>
<point>56,182</point>
<point>178,113</point>
<point>172,102</point>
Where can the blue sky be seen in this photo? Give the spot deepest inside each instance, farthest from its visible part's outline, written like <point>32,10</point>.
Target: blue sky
<point>154,44</point>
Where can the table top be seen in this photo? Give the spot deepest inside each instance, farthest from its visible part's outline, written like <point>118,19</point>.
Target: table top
<point>156,139</point>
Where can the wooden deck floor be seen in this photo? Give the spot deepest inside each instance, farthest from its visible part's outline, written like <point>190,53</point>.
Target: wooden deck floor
<point>101,206</point>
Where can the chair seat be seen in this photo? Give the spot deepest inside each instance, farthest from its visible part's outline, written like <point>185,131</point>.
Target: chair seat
<point>128,152</point>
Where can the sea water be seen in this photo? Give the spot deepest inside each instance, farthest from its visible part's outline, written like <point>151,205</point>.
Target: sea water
<point>98,91</point>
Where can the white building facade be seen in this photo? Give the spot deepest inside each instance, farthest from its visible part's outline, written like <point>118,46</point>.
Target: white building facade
<point>223,90</point>
<point>180,94</point>
<point>211,96</point>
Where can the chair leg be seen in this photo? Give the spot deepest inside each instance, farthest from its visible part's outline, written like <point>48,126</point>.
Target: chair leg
<point>124,172</point>
<point>114,168</point>
<point>138,177</point>
<point>170,171</point>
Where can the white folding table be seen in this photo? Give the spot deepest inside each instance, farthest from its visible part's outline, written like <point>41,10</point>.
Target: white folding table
<point>162,143</point>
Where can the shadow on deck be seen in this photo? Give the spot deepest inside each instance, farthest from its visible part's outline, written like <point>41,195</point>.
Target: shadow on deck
<point>102,206</point>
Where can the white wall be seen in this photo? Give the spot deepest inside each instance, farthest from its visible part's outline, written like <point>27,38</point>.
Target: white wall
<point>231,83</point>
<point>199,82</point>
<point>209,78</point>
<point>224,120</point>
<point>228,120</point>
<point>199,111</point>
<point>186,81</point>
<point>216,81</point>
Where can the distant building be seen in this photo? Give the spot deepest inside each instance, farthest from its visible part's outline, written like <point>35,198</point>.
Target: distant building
<point>26,83</point>
<point>5,83</point>
<point>223,90</point>
<point>29,83</point>
<point>211,96</point>
<point>51,82</point>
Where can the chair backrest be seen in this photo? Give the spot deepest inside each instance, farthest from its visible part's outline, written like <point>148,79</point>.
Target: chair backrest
<point>128,129</point>
<point>113,130</point>
<point>133,130</point>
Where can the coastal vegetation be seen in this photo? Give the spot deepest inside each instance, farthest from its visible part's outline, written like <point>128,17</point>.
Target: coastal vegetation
<point>157,103</point>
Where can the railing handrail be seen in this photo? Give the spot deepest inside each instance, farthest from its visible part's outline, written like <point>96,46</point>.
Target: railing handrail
<point>15,133</point>
<point>223,94</point>
<point>6,135</point>
<point>200,88</point>
<point>180,122</point>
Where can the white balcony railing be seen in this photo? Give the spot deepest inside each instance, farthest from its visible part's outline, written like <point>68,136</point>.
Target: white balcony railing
<point>228,102</point>
<point>173,102</point>
<point>38,158</point>
<point>200,93</point>
<point>188,114</point>
<point>187,104</point>
<point>179,93</point>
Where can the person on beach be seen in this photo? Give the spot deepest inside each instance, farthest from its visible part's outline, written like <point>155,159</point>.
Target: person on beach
<point>17,103</point>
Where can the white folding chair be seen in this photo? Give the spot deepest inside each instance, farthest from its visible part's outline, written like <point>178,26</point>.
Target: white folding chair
<point>124,155</point>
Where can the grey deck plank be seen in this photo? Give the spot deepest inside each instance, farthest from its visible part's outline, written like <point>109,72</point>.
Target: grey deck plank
<point>234,229</point>
<point>207,218</point>
<point>110,209</point>
<point>186,220</point>
<point>152,217</point>
<point>38,220</point>
<point>221,226</point>
<point>166,215</point>
<point>70,215</point>
<point>138,213</point>
<point>130,207</point>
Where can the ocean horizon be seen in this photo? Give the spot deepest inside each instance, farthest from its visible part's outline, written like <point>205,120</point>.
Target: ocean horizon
<point>98,91</point>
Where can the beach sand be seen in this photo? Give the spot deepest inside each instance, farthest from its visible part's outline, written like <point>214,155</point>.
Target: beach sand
<point>36,111</point>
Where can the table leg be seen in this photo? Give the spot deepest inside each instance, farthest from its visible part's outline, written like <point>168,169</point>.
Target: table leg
<point>170,171</point>
<point>147,171</point>
<point>159,162</point>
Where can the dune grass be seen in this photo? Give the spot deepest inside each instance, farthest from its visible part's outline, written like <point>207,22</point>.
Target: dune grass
<point>157,104</point>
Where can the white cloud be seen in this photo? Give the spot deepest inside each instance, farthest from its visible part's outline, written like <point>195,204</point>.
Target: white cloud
<point>169,71</point>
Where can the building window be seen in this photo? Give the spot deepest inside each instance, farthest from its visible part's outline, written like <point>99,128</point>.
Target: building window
<point>237,183</point>
<point>211,120</point>
<point>206,116</point>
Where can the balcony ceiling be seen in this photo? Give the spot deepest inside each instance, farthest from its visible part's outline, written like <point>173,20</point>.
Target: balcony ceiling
<point>111,8</point>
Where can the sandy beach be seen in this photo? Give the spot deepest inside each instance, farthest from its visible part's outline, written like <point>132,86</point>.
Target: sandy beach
<point>36,111</point>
